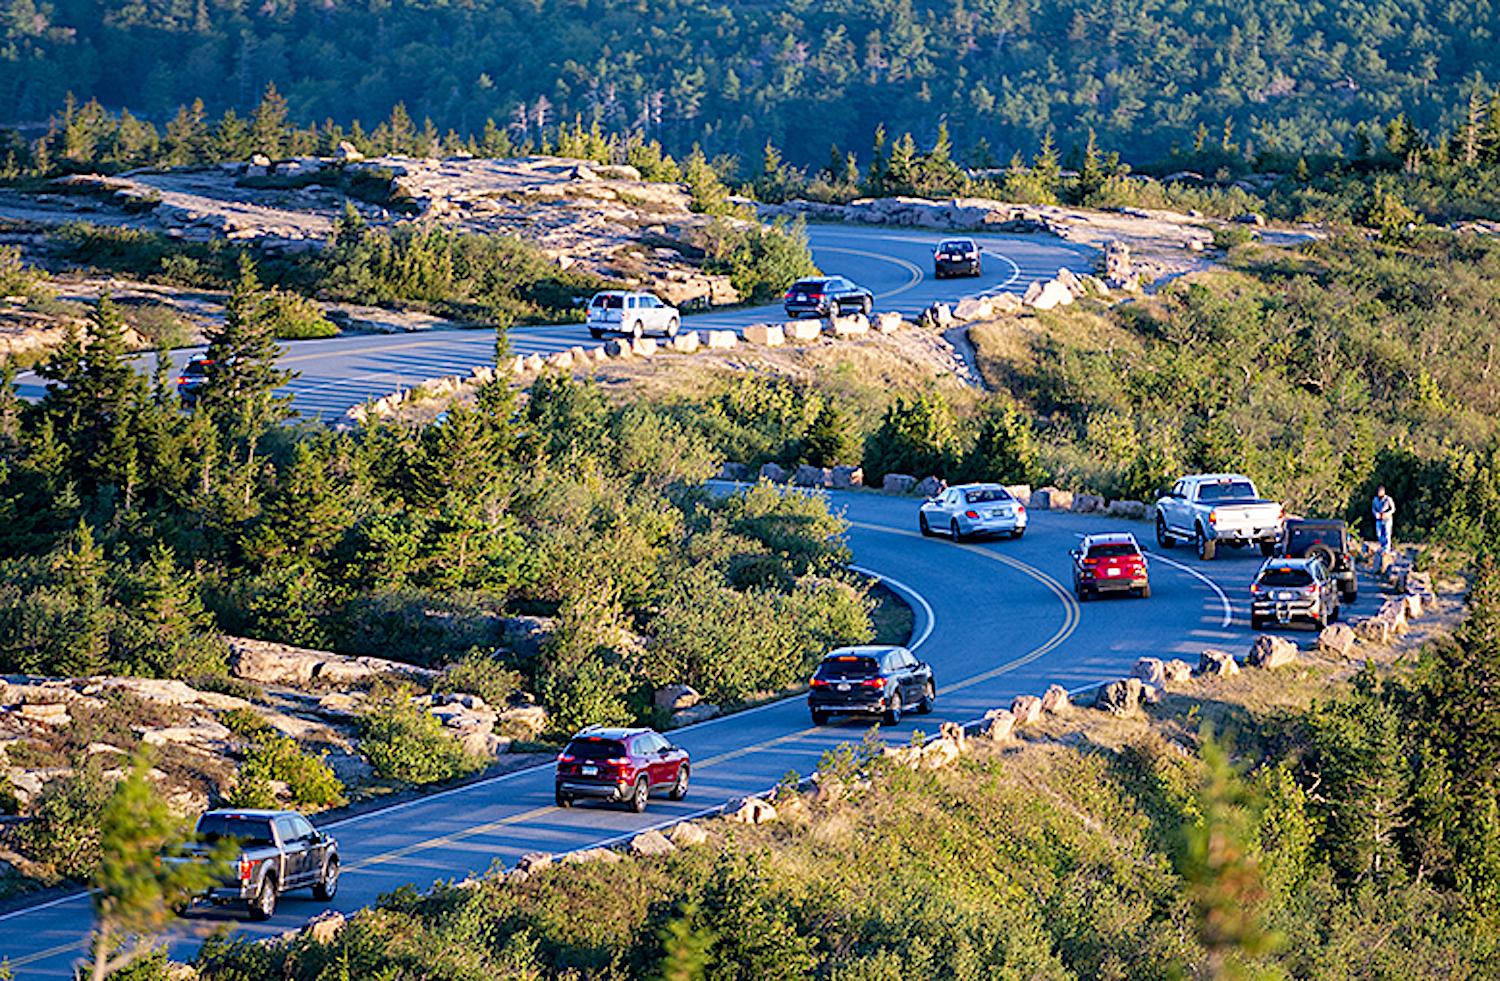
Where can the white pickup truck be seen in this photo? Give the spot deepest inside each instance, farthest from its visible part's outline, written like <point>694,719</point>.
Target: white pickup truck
<point>1215,508</point>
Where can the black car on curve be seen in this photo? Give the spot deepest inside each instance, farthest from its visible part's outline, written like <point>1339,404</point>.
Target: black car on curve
<point>870,680</point>
<point>957,257</point>
<point>829,296</point>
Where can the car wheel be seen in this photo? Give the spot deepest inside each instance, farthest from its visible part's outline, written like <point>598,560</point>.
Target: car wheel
<point>929,696</point>
<point>1268,549</point>
<point>1335,613</point>
<point>638,331</point>
<point>680,785</point>
<point>1351,596</point>
<point>893,710</point>
<point>1163,537</point>
<point>1320,621</point>
<point>1018,533</point>
<point>1256,622</point>
<point>957,535</point>
<point>1206,546</point>
<point>641,796</point>
<point>867,306</point>
<point>563,800</point>
<point>328,886</point>
<point>672,326</point>
<point>819,718</point>
<point>922,524</point>
<point>1082,594</point>
<point>1144,592</point>
<point>263,906</point>
<point>596,333</point>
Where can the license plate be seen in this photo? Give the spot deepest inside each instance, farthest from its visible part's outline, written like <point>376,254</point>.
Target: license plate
<point>590,771</point>
<point>801,298</point>
<point>1111,572</point>
<point>843,687</point>
<point>1000,514</point>
<point>1286,596</point>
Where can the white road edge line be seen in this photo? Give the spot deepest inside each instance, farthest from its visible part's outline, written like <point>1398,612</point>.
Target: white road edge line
<point>1223,597</point>
<point>930,617</point>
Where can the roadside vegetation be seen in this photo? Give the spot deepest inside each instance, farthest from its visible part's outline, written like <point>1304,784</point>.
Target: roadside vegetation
<point>1314,823</point>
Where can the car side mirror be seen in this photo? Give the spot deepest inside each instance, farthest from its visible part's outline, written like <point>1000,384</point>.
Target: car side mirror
<point>1144,549</point>
<point>1073,552</point>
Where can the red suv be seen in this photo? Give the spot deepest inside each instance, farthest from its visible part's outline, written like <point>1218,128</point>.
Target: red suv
<point>1113,563</point>
<point>622,765</point>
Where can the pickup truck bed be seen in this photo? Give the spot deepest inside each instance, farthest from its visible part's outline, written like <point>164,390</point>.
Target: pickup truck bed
<point>1214,509</point>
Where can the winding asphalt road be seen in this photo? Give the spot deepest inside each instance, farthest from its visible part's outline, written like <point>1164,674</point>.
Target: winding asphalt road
<point>995,620</point>
<point>896,264</point>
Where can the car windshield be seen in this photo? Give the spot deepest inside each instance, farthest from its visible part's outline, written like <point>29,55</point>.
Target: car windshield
<point>1305,538</point>
<point>248,831</point>
<point>1112,551</point>
<point>596,749</point>
<point>1229,490</point>
<point>609,302</point>
<point>848,666</point>
<point>809,286</point>
<point>1286,577</point>
<point>986,495</point>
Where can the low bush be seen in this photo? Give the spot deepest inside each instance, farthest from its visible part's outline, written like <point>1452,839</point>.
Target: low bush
<point>481,673</point>
<point>406,744</point>
<point>63,834</point>
<point>274,758</point>
<point>292,317</point>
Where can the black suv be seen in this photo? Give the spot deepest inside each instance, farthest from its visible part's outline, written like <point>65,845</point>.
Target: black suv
<point>957,257</point>
<point>830,296</point>
<point>871,680</point>
<point>1327,541</point>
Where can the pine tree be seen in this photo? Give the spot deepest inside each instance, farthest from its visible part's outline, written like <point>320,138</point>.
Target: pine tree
<point>902,172</point>
<point>231,137</point>
<point>830,439</point>
<point>239,390</point>
<point>176,621</point>
<point>878,174</point>
<point>1005,451</point>
<point>188,135</point>
<point>1045,167</point>
<point>1090,173</point>
<point>268,124</point>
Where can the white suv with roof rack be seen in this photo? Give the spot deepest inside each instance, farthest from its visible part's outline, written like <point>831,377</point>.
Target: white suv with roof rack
<point>631,314</point>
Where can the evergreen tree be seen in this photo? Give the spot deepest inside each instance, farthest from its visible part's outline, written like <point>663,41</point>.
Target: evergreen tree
<point>831,439</point>
<point>916,437</point>
<point>238,392</point>
<point>188,135</point>
<point>1005,450</point>
<point>268,123</point>
<point>231,138</point>
<point>1091,173</point>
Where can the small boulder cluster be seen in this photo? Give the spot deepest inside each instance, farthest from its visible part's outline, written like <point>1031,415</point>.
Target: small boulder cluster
<point>808,331</point>
<point>804,475</point>
<point>684,704</point>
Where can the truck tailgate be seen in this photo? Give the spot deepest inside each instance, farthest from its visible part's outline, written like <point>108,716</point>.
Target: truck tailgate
<point>1245,517</point>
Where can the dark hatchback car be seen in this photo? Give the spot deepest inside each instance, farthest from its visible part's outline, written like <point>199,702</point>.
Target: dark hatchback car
<point>194,374</point>
<point>957,257</point>
<point>870,680</point>
<point>1287,591</point>
<point>827,297</point>
<point>620,765</point>
<point>1327,541</point>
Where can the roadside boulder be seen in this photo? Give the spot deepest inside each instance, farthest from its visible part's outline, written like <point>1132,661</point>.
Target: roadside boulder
<point>888,322</point>
<point>898,483</point>
<point>1413,606</point>
<point>1176,671</point>
<point>807,475</point>
<point>773,472</point>
<point>1047,296</point>
<point>1087,503</point>
<point>1027,710</point>
<point>324,927</point>
<point>1373,629</point>
<point>643,347</point>
<point>1216,662</point>
<point>560,359</point>
<point>938,315</point>
<point>533,862</point>
<point>973,308</point>
<point>1336,638</point>
<point>752,810</point>
<point>927,487</point>
<point>1070,282</point>
<point>1055,700</point>
<point>348,152</point>
<point>720,340</point>
<point>1269,651</point>
<point>583,857</point>
<point>734,471</point>
<point>674,698</point>
<point>998,725</point>
<point>649,843</point>
<point>1150,670</point>
<point>687,834</point>
<point>847,478</point>
<point>802,331</point>
<point>766,335</point>
<point>1052,499</point>
<point>849,326</point>
<point>954,732</point>
<point>701,712</point>
<point>534,362</point>
<point>940,753</point>
<point>685,343</point>
<point>1021,492</point>
<point>1121,697</point>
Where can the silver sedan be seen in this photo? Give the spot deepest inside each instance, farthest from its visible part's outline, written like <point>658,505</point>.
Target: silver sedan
<point>973,509</point>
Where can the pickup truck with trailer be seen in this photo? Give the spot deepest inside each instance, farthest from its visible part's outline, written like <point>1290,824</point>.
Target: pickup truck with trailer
<point>277,851</point>
<point>1210,510</point>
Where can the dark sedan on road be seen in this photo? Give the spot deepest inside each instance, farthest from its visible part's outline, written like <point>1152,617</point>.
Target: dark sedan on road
<point>870,680</point>
<point>957,257</point>
<point>194,374</point>
<point>620,765</point>
<point>830,296</point>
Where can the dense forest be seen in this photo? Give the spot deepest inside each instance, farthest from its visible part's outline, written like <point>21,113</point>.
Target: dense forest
<point>1283,76</point>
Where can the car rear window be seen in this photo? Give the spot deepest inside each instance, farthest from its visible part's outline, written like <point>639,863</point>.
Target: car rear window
<point>1286,577</point>
<point>808,286</point>
<point>596,749</point>
<point>1113,551</point>
<point>1234,490</point>
<point>248,831</point>
<point>956,246</point>
<point>196,368</point>
<point>848,666</point>
<point>609,302</point>
<point>1303,538</point>
<point>986,495</point>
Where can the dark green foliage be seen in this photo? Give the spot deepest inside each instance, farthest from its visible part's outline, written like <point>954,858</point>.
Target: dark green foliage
<point>64,832</point>
<point>760,261</point>
<point>272,756</point>
<point>917,437</point>
<point>238,392</point>
<point>831,439</point>
<point>1004,447</point>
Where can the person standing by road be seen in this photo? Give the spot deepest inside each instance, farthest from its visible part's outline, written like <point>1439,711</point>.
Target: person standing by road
<point>1383,508</point>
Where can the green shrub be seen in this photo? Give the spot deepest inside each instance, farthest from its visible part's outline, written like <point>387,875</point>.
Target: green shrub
<point>274,757</point>
<point>761,261</point>
<point>404,743</point>
<point>918,437</point>
<point>64,832</point>
<point>480,672</point>
<point>291,317</point>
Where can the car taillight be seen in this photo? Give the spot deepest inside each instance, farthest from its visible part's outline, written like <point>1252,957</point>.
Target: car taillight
<point>873,683</point>
<point>618,761</point>
<point>182,381</point>
<point>819,682</point>
<point>246,867</point>
<point>1311,590</point>
<point>1255,587</point>
<point>815,296</point>
<point>971,514</point>
<point>1091,562</point>
<point>1213,517</point>
<point>564,757</point>
<point>1020,508</point>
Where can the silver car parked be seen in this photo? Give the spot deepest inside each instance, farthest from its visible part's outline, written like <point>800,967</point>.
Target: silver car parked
<point>973,509</point>
<point>631,314</point>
